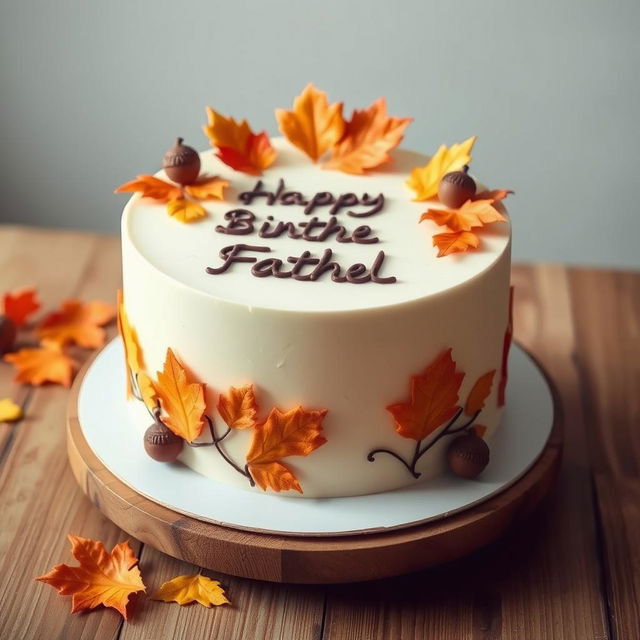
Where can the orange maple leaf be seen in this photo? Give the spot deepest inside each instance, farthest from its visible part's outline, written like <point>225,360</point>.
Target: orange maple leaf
<point>185,210</point>
<point>78,323</point>
<point>211,188</point>
<point>479,393</point>
<point>494,194</point>
<point>238,147</point>
<point>313,125</point>
<point>20,304</point>
<point>101,579</point>
<point>187,589</point>
<point>455,242</point>
<point>368,138</point>
<point>181,399</point>
<point>238,407</point>
<point>134,360</point>
<point>46,363</point>
<point>296,432</point>
<point>424,181</point>
<point>434,397</point>
<point>473,213</point>
<point>479,430</point>
<point>151,187</point>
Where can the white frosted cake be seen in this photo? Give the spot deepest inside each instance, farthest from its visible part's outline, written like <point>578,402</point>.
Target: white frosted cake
<point>290,327</point>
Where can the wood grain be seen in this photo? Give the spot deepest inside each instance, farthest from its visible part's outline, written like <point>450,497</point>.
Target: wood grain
<point>571,571</point>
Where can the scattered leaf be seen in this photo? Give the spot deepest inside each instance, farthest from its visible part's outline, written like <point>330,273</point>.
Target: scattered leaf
<point>46,363</point>
<point>473,213</point>
<point>151,187</point>
<point>496,195</point>
<point>455,242</point>
<point>188,589</point>
<point>101,579</point>
<point>181,399</point>
<point>238,407</point>
<point>313,125</point>
<point>424,181</point>
<point>479,393</point>
<point>185,210</point>
<point>434,397</point>
<point>368,138</point>
<point>506,346</point>
<point>207,189</point>
<point>134,361</point>
<point>297,432</point>
<point>78,323</point>
<point>20,304</point>
<point>479,430</point>
<point>9,410</point>
<point>238,147</point>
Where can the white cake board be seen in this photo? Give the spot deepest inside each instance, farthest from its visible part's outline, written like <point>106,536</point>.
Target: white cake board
<point>107,427</point>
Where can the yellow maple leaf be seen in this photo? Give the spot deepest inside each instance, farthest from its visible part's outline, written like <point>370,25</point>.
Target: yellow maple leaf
<point>46,363</point>
<point>9,410</point>
<point>185,210</point>
<point>134,361</point>
<point>207,189</point>
<point>188,589</point>
<point>147,390</point>
<point>424,181</point>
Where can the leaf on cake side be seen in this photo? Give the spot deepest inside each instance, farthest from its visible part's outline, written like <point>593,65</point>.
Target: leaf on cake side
<point>238,407</point>
<point>19,305</point>
<point>479,393</point>
<point>506,346</point>
<point>46,363</point>
<point>134,360</point>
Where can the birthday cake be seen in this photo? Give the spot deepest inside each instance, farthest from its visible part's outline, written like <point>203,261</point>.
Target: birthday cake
<point>318,314</point>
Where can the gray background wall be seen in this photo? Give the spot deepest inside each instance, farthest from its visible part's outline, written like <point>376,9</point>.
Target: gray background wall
<point>92,93</point>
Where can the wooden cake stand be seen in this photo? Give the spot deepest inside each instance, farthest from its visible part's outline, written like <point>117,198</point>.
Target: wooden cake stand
<point>301,559</point>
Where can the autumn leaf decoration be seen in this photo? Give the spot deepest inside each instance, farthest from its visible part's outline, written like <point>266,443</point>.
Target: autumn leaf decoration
<point>46,363</point>
<point>187,589</point>
<point>355,146</point>
<point>237,145</point>
<point>77,323</point>
<point>433,410</point>
<point>20,305</point>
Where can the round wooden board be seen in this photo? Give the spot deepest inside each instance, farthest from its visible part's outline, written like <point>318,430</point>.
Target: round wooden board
<point>292,559</point>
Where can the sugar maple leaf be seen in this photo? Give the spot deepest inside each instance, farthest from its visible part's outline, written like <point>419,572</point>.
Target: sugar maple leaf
<point>9,410</point>
<point>185,210</point>
<point>297,432</point>
<point>181,399</point>
<point>238,407</point>
<point>434,397</point>
<point>207,189</point>
<point>479,393</point>
<point>368,138</point>
<point>101,579</point>
<point>424,181</point>
<point>313,125</point>
<point>506,346</point>
<point>20,304</point>
<point>455,242</point>
<point>187,589</point>
<point>46,363</point>
<point>473,213</point>
<point>134,360</point>
<point>495,195</point>
<point>151,187</point>
<point>238,147</point>
<point>78,323</point>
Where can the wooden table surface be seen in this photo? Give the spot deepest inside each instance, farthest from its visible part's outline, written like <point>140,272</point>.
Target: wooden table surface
<point>572,571</point>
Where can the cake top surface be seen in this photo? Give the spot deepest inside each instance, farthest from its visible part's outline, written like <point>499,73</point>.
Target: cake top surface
<point>294,190</point>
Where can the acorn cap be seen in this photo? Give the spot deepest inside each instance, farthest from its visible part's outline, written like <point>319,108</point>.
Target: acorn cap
<point>8,333</point>
<point>161,443</point>
<point>468,455</point>
<point>181,163</point>
<point>456,188</point>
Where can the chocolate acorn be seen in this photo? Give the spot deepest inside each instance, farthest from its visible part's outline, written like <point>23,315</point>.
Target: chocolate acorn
<point>181,163</point>
<point>456,188</point>
<point>468,455</point>
<point>161,443</point>
<point>7,333</point>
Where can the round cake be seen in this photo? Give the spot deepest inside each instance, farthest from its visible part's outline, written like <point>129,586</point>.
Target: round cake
<point>300,332</point>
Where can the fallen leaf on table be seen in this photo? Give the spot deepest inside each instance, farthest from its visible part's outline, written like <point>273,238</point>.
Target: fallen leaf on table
<point>478,394</point>
<point>101,579</point>
<point>238,146</point>
<point>185,210</point>
<point>181,399</point>
<point>297,432</point>
<point>456,242</point>
<point>151,187</point>
<point>238,407</point>
<point>46,363</point>
<point>424,181</point>
<point>78,323</point>
<point>434,398</point>
<point>20,304</point>
<point>9,410</point>
<point>313,125</point>
<point>473,213</point>
<point>368,138</point>
<point>188,589</point>
<point>207,189</point>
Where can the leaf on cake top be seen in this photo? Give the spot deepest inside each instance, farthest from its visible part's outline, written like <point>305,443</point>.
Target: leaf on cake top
<point>297,432</point>
<point>181,399</point>
<point>19,305</point>
<point>78,323</point>
<point>473,213</point>
<point>151,187</point>
<point>46,363</point>
<point>188,589</point>
<point>424,181</point>
<point>368,138</point>
<point>479,393</point>
<point>101,578</point>
<point>314,126</point>
<point>455,242</point>
<point>238,407</point>
<point>185,210</point>
<point>237,145</point>
<point>210,188</point>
